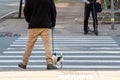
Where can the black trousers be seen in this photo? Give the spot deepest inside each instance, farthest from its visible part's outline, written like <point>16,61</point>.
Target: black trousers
<point>89,9</point>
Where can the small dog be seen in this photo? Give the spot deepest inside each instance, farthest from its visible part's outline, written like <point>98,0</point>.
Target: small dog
<point>58,60</point>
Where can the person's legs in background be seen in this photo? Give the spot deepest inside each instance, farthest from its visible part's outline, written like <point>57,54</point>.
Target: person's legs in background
<point>86,17</point>
<point>95,20</point>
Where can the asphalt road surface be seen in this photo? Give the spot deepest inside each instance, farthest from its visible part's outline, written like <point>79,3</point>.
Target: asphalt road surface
<point>8,6</point>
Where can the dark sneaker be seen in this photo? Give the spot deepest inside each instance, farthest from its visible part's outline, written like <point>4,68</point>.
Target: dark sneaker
<point>96,32</point>
<point>22,66</point>
<point>51,67</point>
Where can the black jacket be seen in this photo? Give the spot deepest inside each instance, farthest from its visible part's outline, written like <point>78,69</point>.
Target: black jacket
<point>40,13</point>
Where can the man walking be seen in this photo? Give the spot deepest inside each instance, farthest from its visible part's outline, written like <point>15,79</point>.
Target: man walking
<point>41,17</point>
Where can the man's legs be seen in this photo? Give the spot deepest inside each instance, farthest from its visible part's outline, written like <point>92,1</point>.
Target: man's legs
<point>32,37</point>
<point>46,37</point>
<point>94,16</point>
<point>86,17</point>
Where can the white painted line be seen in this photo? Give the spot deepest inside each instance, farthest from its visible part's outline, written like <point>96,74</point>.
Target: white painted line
<point>70,61</point>
<point>13,4</point>
<point>87,66</point>
<point>90,48</point>
<point>71,45</point>
<point>77,36</point>
<point>66,52</point>
<point>72,38</point>
<point>82,38</point>
<point>8,14</point>
<point>15,66</point>
<point>105,48</point>
<point>35,48</point>
<point>96,61</point>
<point>16,52</point>
<point>70,56</point>
<point>71,42</point>
<point>14,61</point>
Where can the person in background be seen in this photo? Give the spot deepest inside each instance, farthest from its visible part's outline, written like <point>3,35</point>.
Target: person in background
<point>41,18</point>
<point>89,8</point>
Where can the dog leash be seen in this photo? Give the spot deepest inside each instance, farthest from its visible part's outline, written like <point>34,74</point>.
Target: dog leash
<point>53,49</point>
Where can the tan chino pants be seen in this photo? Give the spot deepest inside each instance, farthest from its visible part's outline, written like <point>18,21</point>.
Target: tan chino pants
<point>32,37</point>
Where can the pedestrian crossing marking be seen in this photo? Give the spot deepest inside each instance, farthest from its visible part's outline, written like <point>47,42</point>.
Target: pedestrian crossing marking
<point>78,52</point>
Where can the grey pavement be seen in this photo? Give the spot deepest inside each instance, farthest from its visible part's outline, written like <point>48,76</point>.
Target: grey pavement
<point>68,12</point>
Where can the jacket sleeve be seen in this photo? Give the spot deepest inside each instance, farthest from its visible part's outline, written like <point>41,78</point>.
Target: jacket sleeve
<point>27,10</point>
<point>53,13</point>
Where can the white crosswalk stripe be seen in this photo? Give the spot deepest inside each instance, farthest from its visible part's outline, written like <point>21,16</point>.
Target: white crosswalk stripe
<point>88,52</point>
